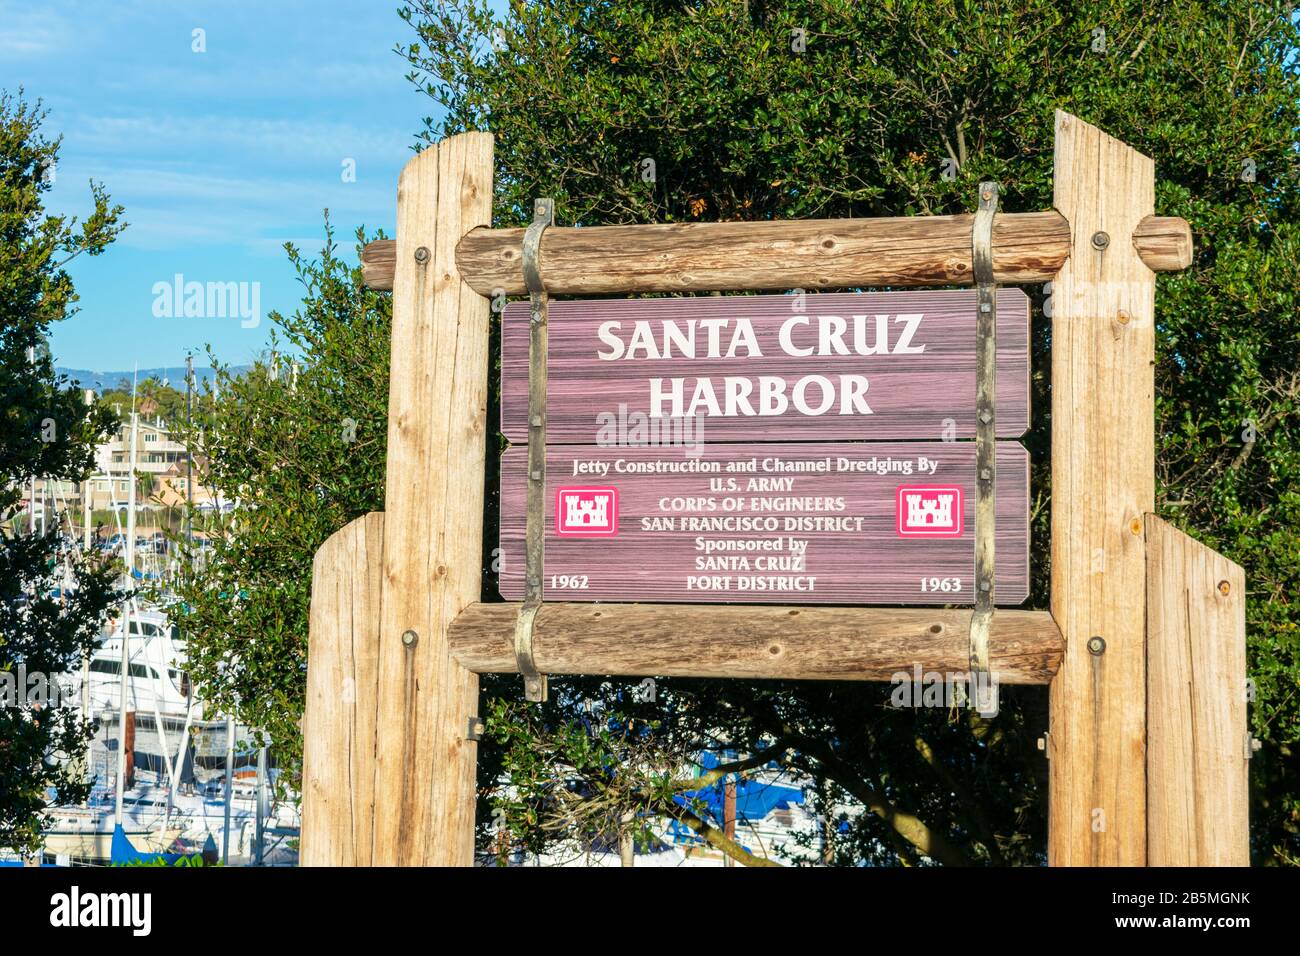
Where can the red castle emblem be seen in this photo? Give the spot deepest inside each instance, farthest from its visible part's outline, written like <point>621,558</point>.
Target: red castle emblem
<point>586,512</point>
<point>930,511</point>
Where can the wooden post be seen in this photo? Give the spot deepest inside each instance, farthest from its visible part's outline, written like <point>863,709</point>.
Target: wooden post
<point>1197,736</point>
<point>128,749</point>
<point>729,816</point>
<point>338,773</point>
<point>1103,467</point>
<point>433,534</point>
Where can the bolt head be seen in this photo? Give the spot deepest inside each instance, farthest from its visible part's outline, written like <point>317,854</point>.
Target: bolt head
<point>1224,588</point>
<point>410,638</point>
<point>1100,240</point>
<point>422,255</point>
<point>1096,645</point>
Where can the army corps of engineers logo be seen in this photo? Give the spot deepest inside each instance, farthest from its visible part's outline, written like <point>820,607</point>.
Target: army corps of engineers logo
<point>586,512</point>
<point>930,511</point>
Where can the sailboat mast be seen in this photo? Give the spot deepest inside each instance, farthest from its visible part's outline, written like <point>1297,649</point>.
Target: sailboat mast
<point>87,486</point>
<point>230,773</point>
<point>126,612</point>
<point>259,858</point>
<point>189,454</point>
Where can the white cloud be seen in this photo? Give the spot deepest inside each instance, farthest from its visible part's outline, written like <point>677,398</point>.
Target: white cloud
<point>250,136</point>
<point>31,31</point>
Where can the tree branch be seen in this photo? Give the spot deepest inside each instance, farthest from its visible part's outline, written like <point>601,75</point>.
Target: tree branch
<point>717,839</point>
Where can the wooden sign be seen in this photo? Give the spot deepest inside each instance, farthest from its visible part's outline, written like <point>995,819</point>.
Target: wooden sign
<point>849,523</point>
<point>838,366</point>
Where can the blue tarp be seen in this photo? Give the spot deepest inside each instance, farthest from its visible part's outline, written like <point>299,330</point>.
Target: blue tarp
<point>20,863</point>
<point>754,798</point>
<point>124,852</point>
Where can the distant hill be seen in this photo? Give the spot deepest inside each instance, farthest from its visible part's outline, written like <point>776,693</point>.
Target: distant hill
<point>175,376</point>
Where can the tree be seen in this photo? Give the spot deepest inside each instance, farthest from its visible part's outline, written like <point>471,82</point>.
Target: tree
<point>642,110</point>
<point>299,441</point>
<point>47,430</point>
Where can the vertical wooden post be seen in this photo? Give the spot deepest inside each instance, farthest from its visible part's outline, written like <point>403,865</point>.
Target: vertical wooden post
<point>1103,467</point>
<point>338,729</point>
<point>1197,736</point>
<point>128,749</point>
<point>433,530</point>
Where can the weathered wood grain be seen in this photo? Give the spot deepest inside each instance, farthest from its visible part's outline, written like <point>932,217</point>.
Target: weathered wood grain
<point>424,787</point>
<point>804,254</point>
<point>870,563</point>
<point>756,642</point>
<point>1164,243</point>
<point>910,395</point>
<point>338,772</point>
<point>1103,447</point>
<point>1197,786</point>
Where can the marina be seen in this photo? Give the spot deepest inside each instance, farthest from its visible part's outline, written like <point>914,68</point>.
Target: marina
<point>168,776</point>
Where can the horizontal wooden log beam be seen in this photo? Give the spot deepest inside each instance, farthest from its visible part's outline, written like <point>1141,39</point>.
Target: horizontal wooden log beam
<point>806,643</point>
<point>806,254</point>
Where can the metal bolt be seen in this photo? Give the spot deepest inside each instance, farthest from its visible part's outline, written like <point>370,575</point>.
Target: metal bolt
<point>536,476</point>
<point>422,255</point>
<point>410,638</point>
<point>475,729</point>
<point>986,416</point>
<point>1096,646</point>
<point>985,307</point>
<point>985,585</point>
<point>1224,588</point>
<point>1100,240</point>
<point>985,474</point>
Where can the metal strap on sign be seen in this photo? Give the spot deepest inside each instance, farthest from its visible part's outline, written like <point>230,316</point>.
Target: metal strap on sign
<point>984,690</point>
<point>535,688</point>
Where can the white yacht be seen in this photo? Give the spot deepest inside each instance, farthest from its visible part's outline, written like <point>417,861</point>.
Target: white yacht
<point>156,664</point>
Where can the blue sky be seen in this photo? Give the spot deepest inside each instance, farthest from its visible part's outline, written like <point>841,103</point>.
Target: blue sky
<point>219,157</point>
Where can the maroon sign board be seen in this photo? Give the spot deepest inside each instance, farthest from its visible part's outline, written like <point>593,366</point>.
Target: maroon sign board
<point>829,367</point>
<point>845,523</point>
<point>650,498</point>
